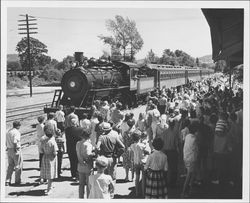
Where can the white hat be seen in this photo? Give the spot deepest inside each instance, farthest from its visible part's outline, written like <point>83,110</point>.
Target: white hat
<point>106,126</point>
<point>102,161</point>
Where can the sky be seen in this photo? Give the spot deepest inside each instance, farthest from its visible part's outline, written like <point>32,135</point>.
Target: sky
<point>66,30</point>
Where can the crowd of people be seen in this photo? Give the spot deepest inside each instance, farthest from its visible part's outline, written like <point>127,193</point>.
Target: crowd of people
<point>193,132</point>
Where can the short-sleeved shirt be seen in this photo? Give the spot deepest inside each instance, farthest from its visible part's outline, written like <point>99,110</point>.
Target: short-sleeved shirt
<point>99,186</point>
<point>83,150</point>
<point>157,161</point>
<point>109,142</point>
<point>13,137</point>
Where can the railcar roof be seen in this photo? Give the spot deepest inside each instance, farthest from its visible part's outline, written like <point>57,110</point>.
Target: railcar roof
<point>169,67</point>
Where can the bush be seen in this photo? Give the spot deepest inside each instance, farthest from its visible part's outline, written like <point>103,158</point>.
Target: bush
<point>36,81</point>
<point>15,82</point>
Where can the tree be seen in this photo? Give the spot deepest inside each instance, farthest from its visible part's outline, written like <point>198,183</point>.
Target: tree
<point>169,57</point>
<point>42,60</point>
<point>151,57</point>
<point>197,62</point>
<point>13,65</point>
<point>65,64</point>
<point>37,51</point>
<point>125,36</point>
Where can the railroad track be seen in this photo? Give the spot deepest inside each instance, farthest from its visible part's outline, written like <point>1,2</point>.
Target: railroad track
<point>26,94</point>
<point>25,112</point>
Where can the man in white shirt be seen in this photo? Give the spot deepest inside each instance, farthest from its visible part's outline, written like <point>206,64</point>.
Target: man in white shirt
<point>15,160</point>
<point>59,117</point>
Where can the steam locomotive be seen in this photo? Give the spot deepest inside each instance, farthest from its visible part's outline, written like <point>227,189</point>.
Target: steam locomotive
<point>127,82</point>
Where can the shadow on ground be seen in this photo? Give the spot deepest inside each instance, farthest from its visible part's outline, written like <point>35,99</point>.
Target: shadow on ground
<point>31,160</point>
<point>28,193</point>
<point>31,169</point>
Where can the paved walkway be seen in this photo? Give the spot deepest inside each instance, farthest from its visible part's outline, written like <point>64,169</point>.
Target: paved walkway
<point>68,189</point>
<point>64,188</point>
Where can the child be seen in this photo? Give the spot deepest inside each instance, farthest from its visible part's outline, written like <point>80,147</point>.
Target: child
<point>84,153</point>
<point>156,172</point>
<point>60,140</point>
<point>139,150</point>
<point>49,161</point>
<point>101,185</point>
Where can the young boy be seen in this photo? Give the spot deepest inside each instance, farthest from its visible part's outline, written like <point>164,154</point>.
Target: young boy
<point>139,149</point>
<point>101,186</point>
<point>60,140</point>
<point>84,151</point>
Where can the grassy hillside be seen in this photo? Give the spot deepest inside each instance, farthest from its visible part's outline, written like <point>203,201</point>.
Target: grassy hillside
<point>12,57</point>
<point>206,59</point>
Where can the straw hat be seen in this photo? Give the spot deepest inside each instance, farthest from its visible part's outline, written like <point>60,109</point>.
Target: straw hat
<point>106,126</point>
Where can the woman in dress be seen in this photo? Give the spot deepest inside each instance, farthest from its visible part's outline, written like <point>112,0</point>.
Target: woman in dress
<point>49,161</point>
<point>156,172</point>
<point>127,155</point>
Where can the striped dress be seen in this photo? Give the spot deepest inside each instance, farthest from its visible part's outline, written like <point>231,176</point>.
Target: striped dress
<point>49,161</point>
<point>156,184</point>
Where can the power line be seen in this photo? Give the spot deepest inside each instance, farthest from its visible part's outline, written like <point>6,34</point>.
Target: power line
<point>138,20</point>
<point>68,19</point>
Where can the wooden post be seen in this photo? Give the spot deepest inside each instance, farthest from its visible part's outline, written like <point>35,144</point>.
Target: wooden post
<point>29,61</point>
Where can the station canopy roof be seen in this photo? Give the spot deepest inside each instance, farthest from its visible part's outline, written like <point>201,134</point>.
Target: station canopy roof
<point>227,34</point>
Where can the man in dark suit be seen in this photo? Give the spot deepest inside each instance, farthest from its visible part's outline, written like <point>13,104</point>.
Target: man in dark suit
<point>73,135</point>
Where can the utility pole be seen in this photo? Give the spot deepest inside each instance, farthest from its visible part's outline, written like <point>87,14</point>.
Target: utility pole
<point>26,27</point>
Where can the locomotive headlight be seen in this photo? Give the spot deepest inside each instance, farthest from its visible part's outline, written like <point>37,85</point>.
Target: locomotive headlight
<point>72,84</point>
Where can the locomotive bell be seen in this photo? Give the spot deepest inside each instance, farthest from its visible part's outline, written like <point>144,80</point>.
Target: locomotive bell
<point>79,57</point>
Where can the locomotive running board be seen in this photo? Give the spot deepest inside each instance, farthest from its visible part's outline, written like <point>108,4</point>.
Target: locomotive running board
<point>105,89</point>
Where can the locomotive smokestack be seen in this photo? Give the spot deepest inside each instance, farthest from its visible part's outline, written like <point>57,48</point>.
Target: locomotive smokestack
<point>79,57</point>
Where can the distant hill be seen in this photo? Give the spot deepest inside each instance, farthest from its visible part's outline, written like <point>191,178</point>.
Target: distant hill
<point>206,59</point>
<point>12,57</point>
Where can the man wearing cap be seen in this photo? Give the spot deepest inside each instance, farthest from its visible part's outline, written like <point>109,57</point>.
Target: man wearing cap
<point>15,160</point>
<point>110,146</point>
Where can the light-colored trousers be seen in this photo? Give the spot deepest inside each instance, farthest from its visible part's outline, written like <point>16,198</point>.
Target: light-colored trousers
<point>154,126</point>
<point>15,162</point>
